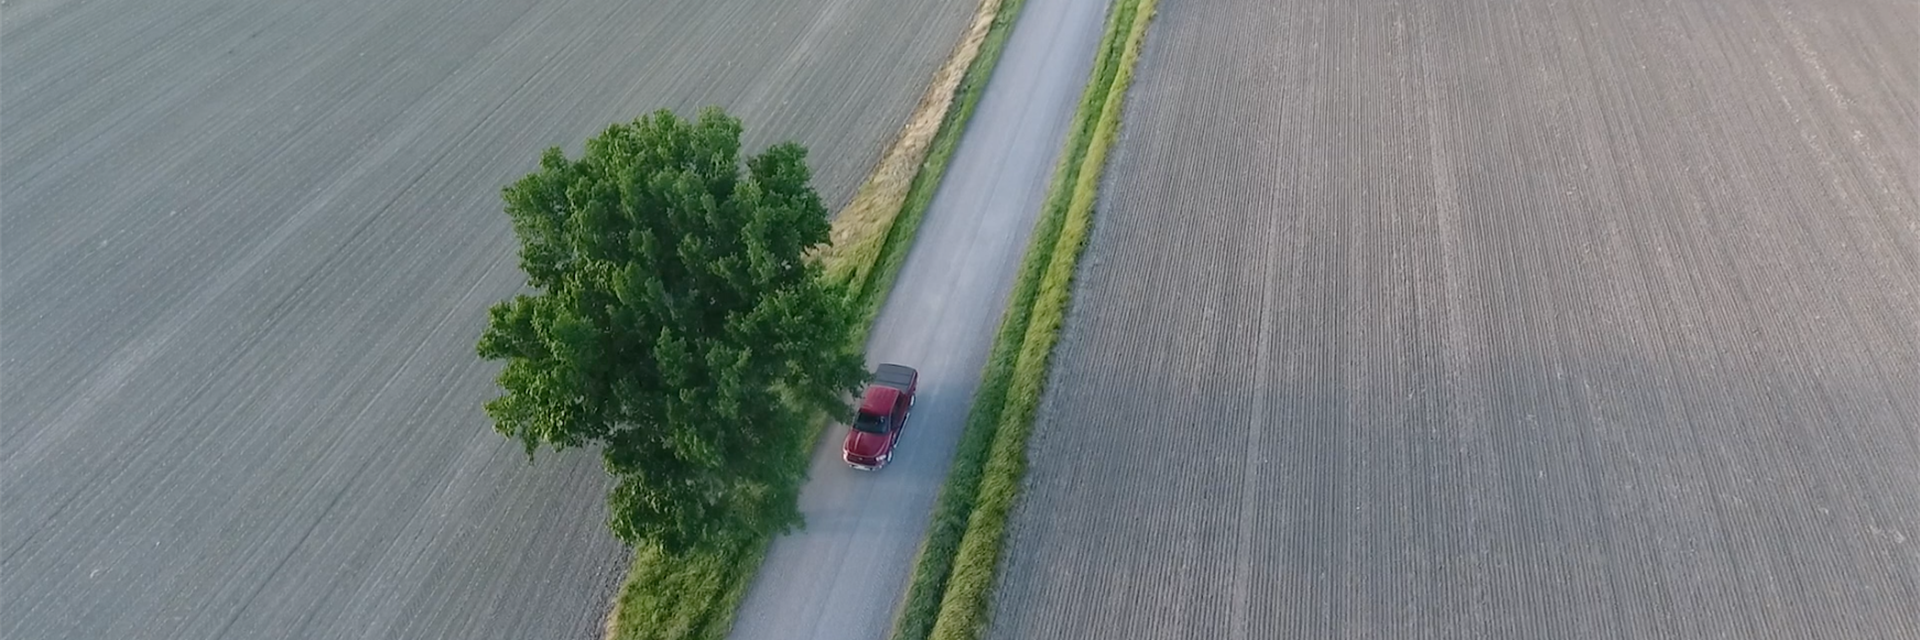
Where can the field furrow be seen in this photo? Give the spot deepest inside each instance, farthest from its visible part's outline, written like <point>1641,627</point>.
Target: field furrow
<point>1492,320</point>
<point>248,248</point>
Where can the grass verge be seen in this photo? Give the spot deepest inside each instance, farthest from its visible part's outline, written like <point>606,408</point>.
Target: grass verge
<point>953,579</point>
<point>687,597</point>
<point>694,596</point>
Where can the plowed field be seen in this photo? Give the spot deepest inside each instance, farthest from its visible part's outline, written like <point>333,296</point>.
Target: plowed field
<point>248,248</point>
<point>1571,319</point>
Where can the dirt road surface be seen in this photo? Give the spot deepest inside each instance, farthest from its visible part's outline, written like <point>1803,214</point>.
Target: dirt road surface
<point>1483,319</point>
<point>845,574</point>
<point>246,249</point>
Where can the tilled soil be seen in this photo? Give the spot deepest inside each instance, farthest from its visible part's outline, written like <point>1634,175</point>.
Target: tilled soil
<point>248,248</point>
<point>1493,320</point>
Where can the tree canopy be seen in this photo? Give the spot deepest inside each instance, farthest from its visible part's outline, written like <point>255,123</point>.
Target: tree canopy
<point>675,323</point>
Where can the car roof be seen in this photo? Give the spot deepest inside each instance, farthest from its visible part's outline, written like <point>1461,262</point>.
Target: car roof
<point>879,400</point>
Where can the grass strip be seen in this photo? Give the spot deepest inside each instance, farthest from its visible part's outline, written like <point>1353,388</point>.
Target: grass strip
<point>953,580</point>
<point>695,596</point>
<point>691,596</point>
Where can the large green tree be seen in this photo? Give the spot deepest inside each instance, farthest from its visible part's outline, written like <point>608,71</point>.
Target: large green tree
<point>676,324</point>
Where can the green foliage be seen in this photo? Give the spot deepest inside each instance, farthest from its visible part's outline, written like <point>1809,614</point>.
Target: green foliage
<point>953,580</point>
<point>676,325</point>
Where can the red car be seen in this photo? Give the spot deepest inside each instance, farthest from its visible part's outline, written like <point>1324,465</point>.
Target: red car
<point>883,413</point>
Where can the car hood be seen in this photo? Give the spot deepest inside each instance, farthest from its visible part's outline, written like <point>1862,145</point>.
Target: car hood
<point>861,443</point>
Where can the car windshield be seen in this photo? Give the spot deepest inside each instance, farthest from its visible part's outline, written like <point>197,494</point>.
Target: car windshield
<point>870,423</point>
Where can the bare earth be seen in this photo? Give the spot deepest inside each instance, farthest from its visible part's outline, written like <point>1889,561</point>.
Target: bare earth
<point>1570,319</point>
<point>843,577</point>
<point>247,250</point>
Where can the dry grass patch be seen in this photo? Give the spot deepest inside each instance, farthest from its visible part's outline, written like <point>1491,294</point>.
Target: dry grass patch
<point>860,230</point>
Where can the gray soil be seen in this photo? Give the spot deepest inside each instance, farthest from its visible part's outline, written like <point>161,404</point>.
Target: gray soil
<point>1568,319</point>
<point>247,250</point>
<point>843,577</point>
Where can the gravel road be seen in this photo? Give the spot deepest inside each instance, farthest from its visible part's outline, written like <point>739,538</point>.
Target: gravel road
<point>844,575</point>
<point>248,247</point>
<point>1489,319</point>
